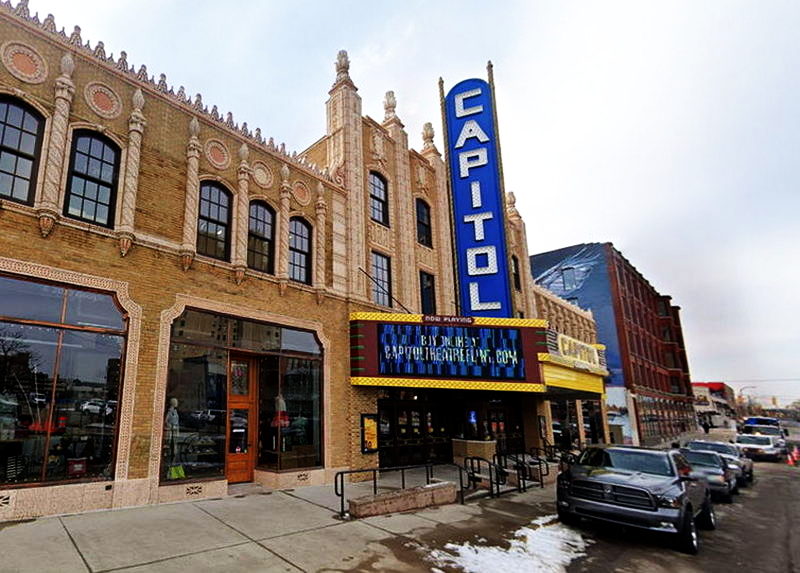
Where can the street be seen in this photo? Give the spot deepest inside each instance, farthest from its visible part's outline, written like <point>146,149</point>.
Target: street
<point>757,532</point>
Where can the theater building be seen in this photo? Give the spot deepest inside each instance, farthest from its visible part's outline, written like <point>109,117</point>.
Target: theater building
<point>181,297</point>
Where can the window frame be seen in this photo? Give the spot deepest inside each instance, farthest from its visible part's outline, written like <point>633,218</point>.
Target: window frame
<point>308,254</point>
<point>37,147</point>
<point>381,282</point>
<point>270,241</point>
<point>515,273</point>
<point>426,237</point>
<point>382,202</point>
<point>114,185</point>
<point>422,276</point>
<point>228,224</point>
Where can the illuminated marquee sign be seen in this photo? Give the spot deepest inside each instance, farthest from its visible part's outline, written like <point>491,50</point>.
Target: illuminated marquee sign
<point>572,348</point>
<point>477,203</point>
<point>446,352</point>
<point>452,351</point>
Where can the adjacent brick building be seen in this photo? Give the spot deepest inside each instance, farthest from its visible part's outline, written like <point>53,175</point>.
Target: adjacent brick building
<point>649,393</point>
<point>178,291</point>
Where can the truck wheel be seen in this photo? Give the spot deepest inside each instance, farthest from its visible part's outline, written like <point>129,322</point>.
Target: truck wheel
<point>687,538</point>
<point>567,518</point>
<point>707,518</point>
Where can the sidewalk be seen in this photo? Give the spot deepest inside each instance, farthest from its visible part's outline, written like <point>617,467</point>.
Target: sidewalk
<point>290,530</point>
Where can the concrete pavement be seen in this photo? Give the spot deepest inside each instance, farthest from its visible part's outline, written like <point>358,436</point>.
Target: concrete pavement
<point>292,530</point>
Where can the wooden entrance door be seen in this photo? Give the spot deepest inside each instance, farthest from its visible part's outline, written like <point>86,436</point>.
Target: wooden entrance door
<point>242,422</point>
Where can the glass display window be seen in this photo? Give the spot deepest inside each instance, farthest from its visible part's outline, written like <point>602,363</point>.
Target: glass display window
<point>60,382</point>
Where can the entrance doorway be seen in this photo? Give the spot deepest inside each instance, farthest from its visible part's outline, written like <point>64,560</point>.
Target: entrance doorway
<point>242,419</point>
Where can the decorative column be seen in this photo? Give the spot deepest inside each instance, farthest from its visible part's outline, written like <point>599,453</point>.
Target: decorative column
<point>65,90</point>
<point>320,239</point>
<point>283,231</point>
<point>189,244</point>
<point>241,217</point>
<point>136,125</point>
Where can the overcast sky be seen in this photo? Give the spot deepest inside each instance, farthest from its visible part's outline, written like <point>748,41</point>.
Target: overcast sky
<point>671,129</point>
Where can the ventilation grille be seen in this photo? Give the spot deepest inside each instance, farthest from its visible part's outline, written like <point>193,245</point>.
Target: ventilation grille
<point>194,490</point>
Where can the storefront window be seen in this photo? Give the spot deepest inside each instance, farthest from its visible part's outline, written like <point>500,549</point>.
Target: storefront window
<point>290,431</point>
<point>58,425</point>
<point>211,407</point>
<point>195,414</point>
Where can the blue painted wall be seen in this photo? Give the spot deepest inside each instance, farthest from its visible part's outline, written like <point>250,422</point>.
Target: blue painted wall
<point>592,291</point>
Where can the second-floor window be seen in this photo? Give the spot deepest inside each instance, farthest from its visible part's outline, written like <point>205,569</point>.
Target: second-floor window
<point>424,233</point>
<point>427,293</point>
<point>20,142</point>
<point>214,221</point>
<point>381,279</point>
<point>299,250</point>
<point>378,199</point>
<point>92,182</point>
<point>568,276</point>
<point>515,273</point>
<point>260,238</point>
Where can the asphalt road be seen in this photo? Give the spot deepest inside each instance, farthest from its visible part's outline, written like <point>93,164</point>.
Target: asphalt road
<point>759,531</point>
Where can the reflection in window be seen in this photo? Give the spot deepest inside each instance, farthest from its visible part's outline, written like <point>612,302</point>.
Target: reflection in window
<point>424,234</point>
<point>260,237</point>
<point>299,251</point>
<point>427,291</point>
<point>568,276</point>
<point>58,425</point>
<point>214,221</point>
<point>381,279</point>
<point>290,411</point>
<point>378,199</point>
<point>20,142</point>
<point>92,184</point>
<point>194,416</point>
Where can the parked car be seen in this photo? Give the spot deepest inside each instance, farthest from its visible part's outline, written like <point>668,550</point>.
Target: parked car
<point>742,465</point>
<point>760,447</point>
<point>637,487</point>
<point>720,476</point>
<point>98,407</point>
<point>761,421</point>
<point>767,431</point>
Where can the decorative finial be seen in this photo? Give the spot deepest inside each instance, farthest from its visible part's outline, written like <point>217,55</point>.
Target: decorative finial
<point>181,95</point>
<point>100,51</point>
<point>67,65</point>
<point>122,63</point>
<point>214,112</point>
<point>229,120</point>
<point>285,174</point>
<point>320,193</point>
<point>198,102</point>
<point>22,9</point>
<point>142,75</point>
<point>75,37</point>
<point>194,127</point>
<point>511,199</point>
<point>258,136</point>
<point>427,135</point>
<point>138,100</point>
<point>389,105</point>
<point>162,83</point>
<point>49,24</point>
<point>342,67</point>
<point>244,152</point>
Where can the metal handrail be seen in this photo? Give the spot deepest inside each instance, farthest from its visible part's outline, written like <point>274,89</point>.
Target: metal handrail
<point>339,483</point>
<point>472,466</point>
<point>523,467</point>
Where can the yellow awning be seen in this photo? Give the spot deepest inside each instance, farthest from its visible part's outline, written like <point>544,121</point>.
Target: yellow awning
<point>562,377</point>
<point>448,384</point>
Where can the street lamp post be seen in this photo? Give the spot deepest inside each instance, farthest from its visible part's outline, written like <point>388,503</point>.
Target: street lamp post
<point>745,410</point>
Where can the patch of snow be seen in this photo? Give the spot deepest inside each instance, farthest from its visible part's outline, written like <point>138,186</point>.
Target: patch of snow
<point>545,546</point>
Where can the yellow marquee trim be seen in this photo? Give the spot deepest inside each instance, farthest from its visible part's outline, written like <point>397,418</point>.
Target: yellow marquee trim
<point>546,357</point>
<point>448,384</point>
<point>560,377</point>
<point>477,320</point>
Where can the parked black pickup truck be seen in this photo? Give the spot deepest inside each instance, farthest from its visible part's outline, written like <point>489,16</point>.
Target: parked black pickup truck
<point>637,487</point>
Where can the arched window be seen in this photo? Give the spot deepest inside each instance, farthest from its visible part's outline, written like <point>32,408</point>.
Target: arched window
<point>92,183</point>
<point>261,237</point>
<point>515,272</point>
<point>299,250</point>
<point>20,143</point>
<point>378,199</point>
<point>214,221</point>
<point>424,234</point>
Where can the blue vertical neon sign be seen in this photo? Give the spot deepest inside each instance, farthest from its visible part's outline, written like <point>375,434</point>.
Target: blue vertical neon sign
<point>477,205</point>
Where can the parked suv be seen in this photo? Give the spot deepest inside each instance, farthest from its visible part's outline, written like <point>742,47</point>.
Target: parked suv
<point>760,447</point>
<point>638,487</point>
<point>742,465</point>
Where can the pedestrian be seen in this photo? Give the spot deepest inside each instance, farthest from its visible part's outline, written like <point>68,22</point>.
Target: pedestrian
<point>706,426</point>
